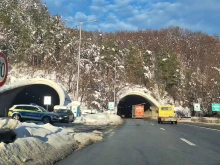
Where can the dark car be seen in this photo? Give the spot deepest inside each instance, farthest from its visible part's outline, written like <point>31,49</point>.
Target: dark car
<point>65,115</point>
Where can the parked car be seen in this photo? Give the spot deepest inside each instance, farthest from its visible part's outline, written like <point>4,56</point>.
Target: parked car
<point>32,112</point>
<point>66,115</point>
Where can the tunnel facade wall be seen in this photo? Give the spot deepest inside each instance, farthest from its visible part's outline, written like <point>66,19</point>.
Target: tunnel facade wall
<point>142,94</point>
<point>6,95</point>
<point>5,100</point>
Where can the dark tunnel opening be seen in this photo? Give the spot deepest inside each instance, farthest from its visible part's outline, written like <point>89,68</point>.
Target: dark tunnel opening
<point>35,94</point>
<point>125,105</point>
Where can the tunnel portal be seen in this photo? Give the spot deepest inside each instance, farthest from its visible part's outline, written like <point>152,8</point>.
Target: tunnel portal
<point>125,105</point>
<point>35,94</point>
<point>29,94</point>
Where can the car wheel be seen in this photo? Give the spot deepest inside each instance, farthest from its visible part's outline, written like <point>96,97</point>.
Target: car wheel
<point>46,120</point>
<point>16,117</point>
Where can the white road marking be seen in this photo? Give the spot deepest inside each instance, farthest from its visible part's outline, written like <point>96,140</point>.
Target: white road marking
<point>201,127</point>
<point>162,129</point>
<point>112,133</point>
<point>108,131</point>
<point>145,121</point>
<point>152,124</point>
<point>188,142</point>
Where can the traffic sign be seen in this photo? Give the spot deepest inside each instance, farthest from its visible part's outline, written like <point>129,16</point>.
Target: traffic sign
<point>47,100</point>
<point>111,105</point>
<point>3,68</point>
<point>196,107</point>
<point>215,107</point>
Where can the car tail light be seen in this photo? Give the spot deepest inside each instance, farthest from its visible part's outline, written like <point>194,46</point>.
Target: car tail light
<point>10,110</point>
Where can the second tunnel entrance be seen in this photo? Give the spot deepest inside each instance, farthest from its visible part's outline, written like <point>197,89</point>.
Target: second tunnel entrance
<point>125,105</point>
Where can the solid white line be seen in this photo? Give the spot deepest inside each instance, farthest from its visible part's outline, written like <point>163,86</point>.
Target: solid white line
<point>201,127</point>
<point>188,142</point>
<point>152,124</point>
<point>162,129</point>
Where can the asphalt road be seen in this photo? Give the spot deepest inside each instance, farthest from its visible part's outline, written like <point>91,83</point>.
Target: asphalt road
<point>140,142</point>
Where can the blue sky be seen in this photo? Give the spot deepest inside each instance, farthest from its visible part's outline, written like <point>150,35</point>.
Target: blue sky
<point>132,15</point>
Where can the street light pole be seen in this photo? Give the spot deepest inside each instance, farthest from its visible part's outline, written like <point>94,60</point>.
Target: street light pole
<point>78,60</point>
<point>114,84</point>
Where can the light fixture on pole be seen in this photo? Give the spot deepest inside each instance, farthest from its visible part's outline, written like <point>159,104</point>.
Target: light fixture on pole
<point>78,61</point>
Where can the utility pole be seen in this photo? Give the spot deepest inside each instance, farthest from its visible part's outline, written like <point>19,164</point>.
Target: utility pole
<point>114,85</point>
<point>79,54</point>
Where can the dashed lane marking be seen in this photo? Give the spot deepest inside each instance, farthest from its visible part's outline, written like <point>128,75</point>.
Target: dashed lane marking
<point>108,131</point>
<point>162,129</point>
<point>111,134</point>
<point>188,142</point>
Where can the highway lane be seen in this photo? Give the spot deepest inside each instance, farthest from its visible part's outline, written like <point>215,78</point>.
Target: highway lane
<point>140,142</point>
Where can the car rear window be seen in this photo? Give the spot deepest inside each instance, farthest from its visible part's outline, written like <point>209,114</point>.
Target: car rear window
<point>62,111</point>
<point>166,108</point>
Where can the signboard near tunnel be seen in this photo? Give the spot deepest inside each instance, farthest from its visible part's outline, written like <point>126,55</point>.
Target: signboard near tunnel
<point>111,105</point>
<point>47,100</point>
<point>3,68</point>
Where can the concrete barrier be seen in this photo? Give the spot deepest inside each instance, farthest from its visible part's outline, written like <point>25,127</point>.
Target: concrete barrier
<point>205,119</point>
<point>210,120</point>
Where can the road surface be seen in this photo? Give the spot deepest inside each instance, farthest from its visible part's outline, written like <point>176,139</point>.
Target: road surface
<point>140,142</point>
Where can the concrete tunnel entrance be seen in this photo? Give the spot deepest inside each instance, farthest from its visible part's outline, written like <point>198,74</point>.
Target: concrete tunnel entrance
<point>35,94</point>
<point>125,105</point>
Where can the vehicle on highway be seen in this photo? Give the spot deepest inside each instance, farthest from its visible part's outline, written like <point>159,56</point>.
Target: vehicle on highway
<point>32,112</point>
<point>138,111</point>
<point>66,115</point>
<point>166,114</point>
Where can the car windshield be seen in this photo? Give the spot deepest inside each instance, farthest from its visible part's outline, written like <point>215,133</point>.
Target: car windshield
<point>62,111</point>
<point>41,108</point>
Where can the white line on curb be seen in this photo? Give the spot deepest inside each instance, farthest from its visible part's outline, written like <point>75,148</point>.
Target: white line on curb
<point>162,129</point>
<point>188,142</point>
<point>201,127</point>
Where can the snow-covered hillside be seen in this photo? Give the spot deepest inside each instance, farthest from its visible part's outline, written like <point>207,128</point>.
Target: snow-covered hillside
<point>174,64</point>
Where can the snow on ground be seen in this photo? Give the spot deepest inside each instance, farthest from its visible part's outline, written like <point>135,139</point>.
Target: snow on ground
<point>182,112</point>
<point>41,144</point>
<point>99,119</point>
